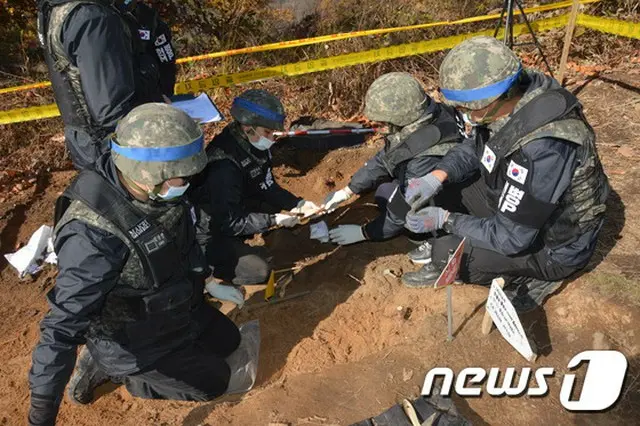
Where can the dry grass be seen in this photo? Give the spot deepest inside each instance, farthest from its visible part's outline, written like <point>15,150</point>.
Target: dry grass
<point>614,285</point>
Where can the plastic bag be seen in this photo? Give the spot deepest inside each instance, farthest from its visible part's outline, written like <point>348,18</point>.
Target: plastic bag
<point>244,361</point>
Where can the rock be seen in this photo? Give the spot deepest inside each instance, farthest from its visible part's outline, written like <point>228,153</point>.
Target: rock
<point>600,341</point>
<point>626,150</point>
<point>562,311</point>
<point>407,374</point>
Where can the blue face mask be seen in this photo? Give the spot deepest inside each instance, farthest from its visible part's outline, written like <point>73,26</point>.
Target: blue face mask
<point>174,192</point>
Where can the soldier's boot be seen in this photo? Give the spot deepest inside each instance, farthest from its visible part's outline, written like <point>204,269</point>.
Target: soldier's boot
<point>87,376</point>
<point>424,277</point>
<point>421,255</point>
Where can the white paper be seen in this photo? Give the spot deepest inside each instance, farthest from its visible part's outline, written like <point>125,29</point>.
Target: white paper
<point>506,319</point>
<point>25,259</point>
<point>320,231</point>
<point>200,108</point>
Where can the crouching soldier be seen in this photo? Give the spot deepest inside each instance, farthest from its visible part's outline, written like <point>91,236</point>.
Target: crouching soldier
<point>421,132</point>
<point>237,195</point>
<point>537,209</point>
<point>131,276</point>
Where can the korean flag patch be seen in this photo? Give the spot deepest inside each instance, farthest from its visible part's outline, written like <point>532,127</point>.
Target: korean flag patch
<point>517,173</point>
<point>488,158</point>
<point>144,34</point>
<point>162,39</point>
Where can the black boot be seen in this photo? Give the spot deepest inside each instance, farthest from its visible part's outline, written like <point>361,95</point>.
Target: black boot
<point>86,377</point>
<point>421,255</point>
<point>424,277</point>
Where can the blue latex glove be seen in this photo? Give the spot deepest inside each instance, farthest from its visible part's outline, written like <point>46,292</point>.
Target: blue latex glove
<point>426,220</point>
<point>421,190</point>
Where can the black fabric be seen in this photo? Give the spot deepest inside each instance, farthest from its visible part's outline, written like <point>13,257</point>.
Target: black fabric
<point>441,128</point>
<point>481,265</point>
<point>42,411</point>
<point>393,210</point>
<point>117,73</point>
<point>236,262</point>
<point>237,195</point>
<point>154,246</point>
<point>125,322</point>
<point>196,372</point>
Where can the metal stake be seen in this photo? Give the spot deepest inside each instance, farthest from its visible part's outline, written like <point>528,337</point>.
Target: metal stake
<point>449,313</point>
<point>450,305</point>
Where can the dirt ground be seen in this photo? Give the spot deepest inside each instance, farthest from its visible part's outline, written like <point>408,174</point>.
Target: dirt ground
<point>359,342</point>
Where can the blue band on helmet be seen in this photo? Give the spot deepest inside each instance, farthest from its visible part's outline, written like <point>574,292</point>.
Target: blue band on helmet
<point>169,153</point>
<point>480,93</point>
<point>264,112</point>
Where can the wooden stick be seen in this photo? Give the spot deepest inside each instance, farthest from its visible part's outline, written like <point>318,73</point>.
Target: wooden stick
<point>487,321</point>
<point>568,36</point>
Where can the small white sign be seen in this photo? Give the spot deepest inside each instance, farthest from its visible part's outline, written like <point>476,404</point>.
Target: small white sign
<point>506,319</point>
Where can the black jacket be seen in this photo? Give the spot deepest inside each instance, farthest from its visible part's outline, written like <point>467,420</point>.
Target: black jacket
<point>115,78</point>
<point>237,194</point>
<point>551,166</point>
<point>90,263</point>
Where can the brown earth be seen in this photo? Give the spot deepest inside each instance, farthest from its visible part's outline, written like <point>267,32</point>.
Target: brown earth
<point>360,341</point>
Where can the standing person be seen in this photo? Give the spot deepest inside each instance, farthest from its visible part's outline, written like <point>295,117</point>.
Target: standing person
<point>536,211</point>
<point>104,57</point>
<point>421,132</point>
<point>131,276</point>
<point>237,195</point>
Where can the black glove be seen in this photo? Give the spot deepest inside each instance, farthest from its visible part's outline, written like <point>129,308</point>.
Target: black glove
<point>43,411</point>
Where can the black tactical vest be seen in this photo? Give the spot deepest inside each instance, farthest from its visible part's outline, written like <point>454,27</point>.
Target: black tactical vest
<point>152,308</point>
<point>65,77</point>
<point>552,113</point>
<point>433,136</point>
<point>256,167</point>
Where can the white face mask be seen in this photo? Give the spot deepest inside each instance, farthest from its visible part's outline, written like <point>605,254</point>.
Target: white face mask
<point>174,192</point>
<point>263,143</point>
<point>467,119</point>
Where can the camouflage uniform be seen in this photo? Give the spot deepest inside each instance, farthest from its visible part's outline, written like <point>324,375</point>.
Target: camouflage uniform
<point>539,205</point>
<point>422,131</point>
<point>131,275</point>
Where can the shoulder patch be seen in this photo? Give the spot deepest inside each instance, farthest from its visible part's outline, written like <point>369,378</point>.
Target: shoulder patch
<point>144,34</point>
<point>488,158</point>
<point>517,172</point>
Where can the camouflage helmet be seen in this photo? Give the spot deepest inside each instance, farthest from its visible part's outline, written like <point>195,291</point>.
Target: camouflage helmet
<point>155,142</point>
<point>257,107</point>
<point>477,72</point>
<point>396,98</point>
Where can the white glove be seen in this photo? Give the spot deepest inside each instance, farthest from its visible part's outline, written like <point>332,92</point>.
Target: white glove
<point>306,208</point>
<point>287,220</point>
<point>225,292</point>
<point>334,199</point>
<point>346,234</point>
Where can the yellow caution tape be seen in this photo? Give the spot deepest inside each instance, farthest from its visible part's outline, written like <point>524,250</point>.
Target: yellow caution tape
<point>602,24</point>
<point>29,114</point>
<point>612,26</point>
<point>333,37</point>
<point>25,87</point>
<point>375,55</point>
<point>354,34</point>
